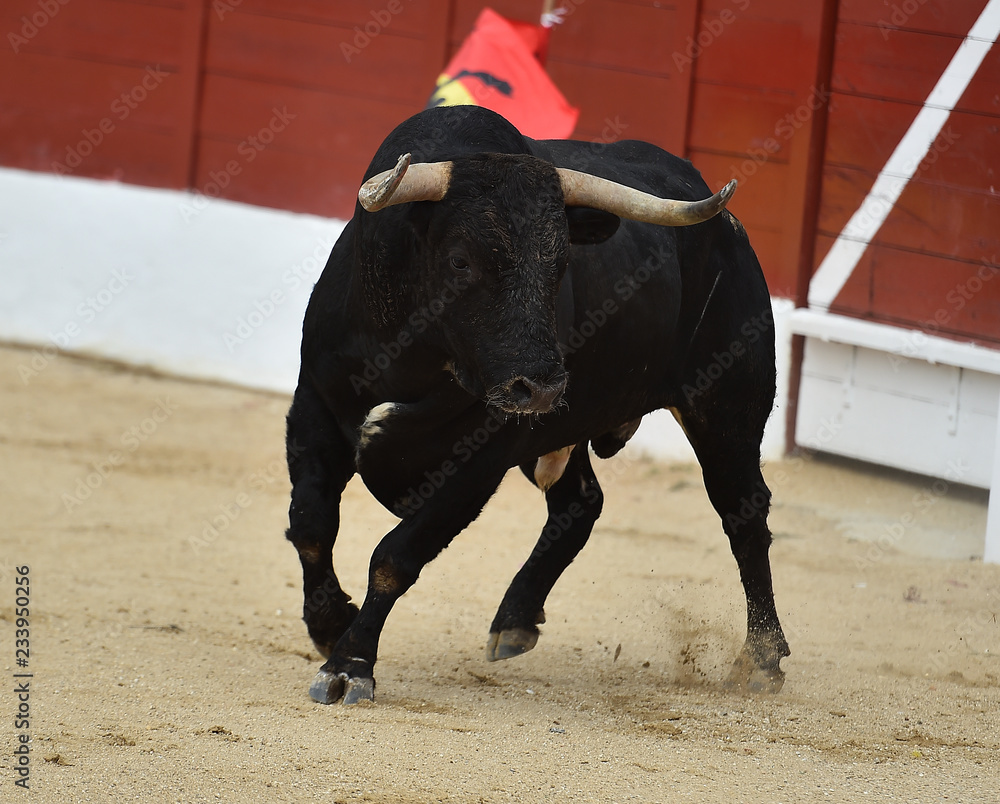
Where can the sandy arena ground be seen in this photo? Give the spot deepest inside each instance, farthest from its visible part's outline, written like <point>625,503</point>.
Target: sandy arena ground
<point>170,664</point>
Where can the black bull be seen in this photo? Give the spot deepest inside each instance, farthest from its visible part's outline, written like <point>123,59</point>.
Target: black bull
<point>449,340</point>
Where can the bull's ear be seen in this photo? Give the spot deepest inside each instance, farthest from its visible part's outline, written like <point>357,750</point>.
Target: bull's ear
<point>588,226</point>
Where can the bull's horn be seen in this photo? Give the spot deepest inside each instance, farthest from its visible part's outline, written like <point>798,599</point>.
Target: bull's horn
<point>586,190</point>
<point>424,181</point>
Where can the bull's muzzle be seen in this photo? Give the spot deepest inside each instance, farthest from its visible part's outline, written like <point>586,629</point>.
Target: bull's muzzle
<point>527,395</point>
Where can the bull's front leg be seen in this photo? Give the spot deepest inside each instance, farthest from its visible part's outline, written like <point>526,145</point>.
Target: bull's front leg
<point>395,565</point>
<point>320,463</point>
<point>574,502</point>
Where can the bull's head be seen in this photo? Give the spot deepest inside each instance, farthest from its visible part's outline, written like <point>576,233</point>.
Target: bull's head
<point>499,236</point>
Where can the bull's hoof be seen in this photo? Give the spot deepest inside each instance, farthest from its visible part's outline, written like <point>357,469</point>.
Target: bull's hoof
<point>358,690</point>
<point>509,643</point>
<point>328,688</point>
<point>748,676</point>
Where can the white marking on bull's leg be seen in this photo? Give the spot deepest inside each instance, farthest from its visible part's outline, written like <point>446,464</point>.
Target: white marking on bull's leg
<point>372,425</point>
<point>549,468</point>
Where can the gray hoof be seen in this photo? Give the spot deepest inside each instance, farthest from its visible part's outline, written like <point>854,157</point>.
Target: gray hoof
<point>328,688</point>
<point>359,689</point>
<point>509,643</point>
<point>749,677</point>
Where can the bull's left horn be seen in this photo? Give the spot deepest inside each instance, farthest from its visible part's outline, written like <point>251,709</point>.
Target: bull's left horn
<point>423,181</point>
<point>586,190</point>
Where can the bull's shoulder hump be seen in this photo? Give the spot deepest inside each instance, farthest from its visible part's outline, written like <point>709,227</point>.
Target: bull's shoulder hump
<point>634,163</point>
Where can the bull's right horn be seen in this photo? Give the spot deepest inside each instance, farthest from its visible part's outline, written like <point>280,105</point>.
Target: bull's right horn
<point>423,181</point>
<point>587,190</point>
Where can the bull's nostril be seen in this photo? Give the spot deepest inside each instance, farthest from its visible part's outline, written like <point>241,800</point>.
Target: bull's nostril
<point>520,393</point>
<point>525,395</point>
<point>546,397</point>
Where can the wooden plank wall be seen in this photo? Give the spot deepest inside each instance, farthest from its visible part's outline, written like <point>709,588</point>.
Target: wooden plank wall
<point>754,102</point>
<point>105,89</point>
<point>929,266</point>
<point>297,94</point>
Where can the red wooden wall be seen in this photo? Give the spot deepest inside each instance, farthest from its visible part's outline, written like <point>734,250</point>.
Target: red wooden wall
<point>345,74</point>
<point>753,118</point>
<point>104,88</point>
<point>932,263</point>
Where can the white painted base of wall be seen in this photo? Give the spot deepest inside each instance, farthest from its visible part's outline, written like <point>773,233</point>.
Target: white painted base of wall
<point>218,293</point>
<point>905,399</point>
<point>129,273</point>
<point>936,420</point>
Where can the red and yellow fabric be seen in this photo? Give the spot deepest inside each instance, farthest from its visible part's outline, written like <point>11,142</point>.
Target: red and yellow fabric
<point>498,67</point>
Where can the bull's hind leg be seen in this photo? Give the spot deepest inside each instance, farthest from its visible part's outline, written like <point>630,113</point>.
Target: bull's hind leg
<point>574,503</point>
<point>319,464</point>
<point>728,448</point>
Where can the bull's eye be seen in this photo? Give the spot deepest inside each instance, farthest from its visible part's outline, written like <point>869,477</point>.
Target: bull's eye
<point>459,265</point>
